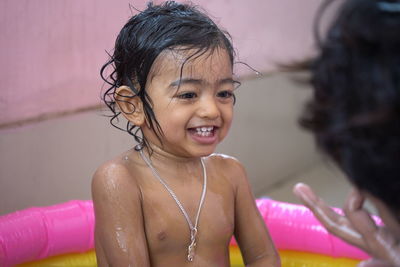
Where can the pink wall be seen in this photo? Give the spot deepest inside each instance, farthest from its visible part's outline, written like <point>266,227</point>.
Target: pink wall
<point>51,51</point>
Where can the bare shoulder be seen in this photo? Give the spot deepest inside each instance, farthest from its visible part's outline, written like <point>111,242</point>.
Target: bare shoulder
<point>224,160</point>
<point>229,165</point>
<point>114,177</point>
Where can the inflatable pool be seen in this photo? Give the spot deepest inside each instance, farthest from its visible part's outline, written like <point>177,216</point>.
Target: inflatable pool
<point>63,235</point>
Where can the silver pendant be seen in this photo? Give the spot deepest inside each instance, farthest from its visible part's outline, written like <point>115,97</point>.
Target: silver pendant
<point>192,246</point>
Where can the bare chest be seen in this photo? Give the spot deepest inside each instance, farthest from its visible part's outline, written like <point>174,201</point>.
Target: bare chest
<point>167,230</point>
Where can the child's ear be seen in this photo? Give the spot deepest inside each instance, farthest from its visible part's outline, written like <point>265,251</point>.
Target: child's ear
<point>130,105</point>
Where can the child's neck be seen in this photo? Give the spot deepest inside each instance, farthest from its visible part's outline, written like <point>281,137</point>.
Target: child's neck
<point>161,159</point>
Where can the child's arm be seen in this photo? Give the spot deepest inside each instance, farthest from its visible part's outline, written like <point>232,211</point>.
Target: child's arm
<point>119,235</point>
<point>251,233</point>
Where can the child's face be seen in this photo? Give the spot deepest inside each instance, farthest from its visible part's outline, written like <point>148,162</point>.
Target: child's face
<point>194,108</point>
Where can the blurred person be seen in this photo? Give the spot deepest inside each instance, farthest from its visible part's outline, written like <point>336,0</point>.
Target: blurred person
<point>355,117</point>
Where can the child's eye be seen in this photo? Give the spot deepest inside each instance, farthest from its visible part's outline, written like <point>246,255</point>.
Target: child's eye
<point>225,94</point>
<point>187,95</point>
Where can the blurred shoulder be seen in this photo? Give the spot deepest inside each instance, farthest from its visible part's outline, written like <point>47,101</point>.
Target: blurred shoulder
<point>220,158</point>
<point>229,163</point>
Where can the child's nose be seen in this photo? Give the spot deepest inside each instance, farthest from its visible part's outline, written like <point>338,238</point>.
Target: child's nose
<point>209,108</point>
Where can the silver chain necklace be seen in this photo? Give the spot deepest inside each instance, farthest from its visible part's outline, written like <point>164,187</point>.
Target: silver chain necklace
<point>193,229</point>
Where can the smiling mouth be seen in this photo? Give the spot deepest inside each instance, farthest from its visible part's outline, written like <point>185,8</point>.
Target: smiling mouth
<point>204,131</point>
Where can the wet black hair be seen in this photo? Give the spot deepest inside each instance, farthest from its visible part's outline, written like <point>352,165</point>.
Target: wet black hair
<point>171,25</point>
<point>355,109</point>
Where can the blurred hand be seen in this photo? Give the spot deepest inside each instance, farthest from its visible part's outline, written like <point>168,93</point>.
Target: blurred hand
<point>355,227</point>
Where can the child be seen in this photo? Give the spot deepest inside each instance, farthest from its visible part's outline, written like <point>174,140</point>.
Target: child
<point>170,201</point>
<point>354,115</point>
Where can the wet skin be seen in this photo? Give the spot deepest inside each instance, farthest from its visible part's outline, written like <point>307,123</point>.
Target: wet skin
<point>137,222</point>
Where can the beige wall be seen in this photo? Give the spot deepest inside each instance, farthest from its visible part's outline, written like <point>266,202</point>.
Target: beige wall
<point>53,161</point>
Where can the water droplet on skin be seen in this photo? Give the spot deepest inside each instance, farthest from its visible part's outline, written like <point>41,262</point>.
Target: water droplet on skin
<point>121,239</point>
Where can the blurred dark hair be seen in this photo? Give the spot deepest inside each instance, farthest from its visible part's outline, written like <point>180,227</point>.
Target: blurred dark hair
<point>170,25</point>
<point>355,109</point>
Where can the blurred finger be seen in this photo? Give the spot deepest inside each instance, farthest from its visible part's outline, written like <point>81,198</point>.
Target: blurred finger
<point>379,241</point>
<point>361,220</point>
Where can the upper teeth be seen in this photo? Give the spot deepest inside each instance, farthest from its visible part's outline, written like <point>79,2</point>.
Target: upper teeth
<point>204,129</point>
